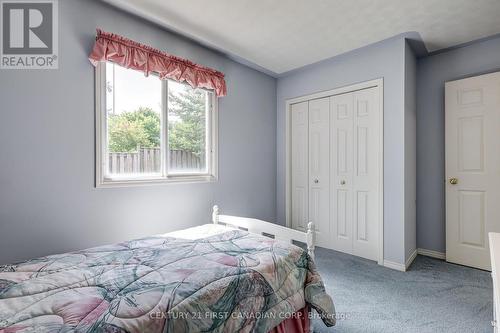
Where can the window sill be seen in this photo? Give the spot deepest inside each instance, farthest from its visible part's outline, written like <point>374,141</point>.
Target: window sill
<point>184,179</point>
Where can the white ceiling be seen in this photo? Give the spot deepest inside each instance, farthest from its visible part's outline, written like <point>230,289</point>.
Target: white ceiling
<point>281,35</point>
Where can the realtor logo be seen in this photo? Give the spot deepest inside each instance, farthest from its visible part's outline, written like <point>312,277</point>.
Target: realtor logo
<point>29,34</point>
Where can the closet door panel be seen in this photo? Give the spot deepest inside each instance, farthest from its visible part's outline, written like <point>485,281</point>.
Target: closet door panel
<point>365,181</point>
<point>300,165</point>
<point>319,168</point>
<point>341,154</point>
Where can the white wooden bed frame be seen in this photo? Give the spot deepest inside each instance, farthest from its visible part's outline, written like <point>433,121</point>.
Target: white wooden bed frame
<point>494,239</point>
<point>267,229</point>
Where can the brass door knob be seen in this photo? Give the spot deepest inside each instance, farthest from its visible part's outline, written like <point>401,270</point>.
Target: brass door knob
<point>453,181</point>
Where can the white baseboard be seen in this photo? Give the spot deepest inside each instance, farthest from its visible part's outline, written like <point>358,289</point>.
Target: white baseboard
<point>410,259</point>
<point>394,265</point>
<point>401,267</point>
<point>432,254</point>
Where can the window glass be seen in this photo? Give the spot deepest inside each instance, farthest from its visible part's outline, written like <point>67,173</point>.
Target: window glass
<point>187,128</point>
<point>134,118</point>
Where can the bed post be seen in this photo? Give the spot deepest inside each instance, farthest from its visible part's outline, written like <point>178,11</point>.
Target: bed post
<point>215,214</point>
<point>310,239</point>
<point>310,251</point>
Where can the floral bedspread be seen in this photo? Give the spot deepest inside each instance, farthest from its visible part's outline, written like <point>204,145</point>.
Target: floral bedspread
<point>231,282</point>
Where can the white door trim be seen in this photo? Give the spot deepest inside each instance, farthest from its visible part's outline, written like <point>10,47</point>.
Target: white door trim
<point>378,83</point>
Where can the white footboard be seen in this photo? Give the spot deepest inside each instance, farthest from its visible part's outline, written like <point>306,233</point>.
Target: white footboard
<point>267,229</point>
<point>494,239</point>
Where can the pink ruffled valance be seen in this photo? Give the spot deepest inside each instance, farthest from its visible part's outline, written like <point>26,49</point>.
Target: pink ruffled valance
<point>130,54</point>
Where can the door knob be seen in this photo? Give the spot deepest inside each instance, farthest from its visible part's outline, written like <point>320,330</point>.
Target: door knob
<point>453,181</point>
<point>342,182</point>
<point>316,181</point>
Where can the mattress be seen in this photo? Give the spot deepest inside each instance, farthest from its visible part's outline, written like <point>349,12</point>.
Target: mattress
<point>205,279</point>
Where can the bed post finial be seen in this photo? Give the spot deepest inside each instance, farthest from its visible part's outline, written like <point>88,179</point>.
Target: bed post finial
<point>215,214</point>
<point>310,239</point>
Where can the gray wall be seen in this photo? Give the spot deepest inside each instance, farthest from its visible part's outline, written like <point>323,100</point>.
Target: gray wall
<point>48,203</point>
<point>410,152</point>
<point>433,72</point>
<point>381,60</point>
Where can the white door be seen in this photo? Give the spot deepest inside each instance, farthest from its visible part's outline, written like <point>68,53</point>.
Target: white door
<point>355,186</point>
<point>300,165</point>
<point>341,152</point>
<point>472,144</point>
<point>366,174</point>
<point>319,169</point>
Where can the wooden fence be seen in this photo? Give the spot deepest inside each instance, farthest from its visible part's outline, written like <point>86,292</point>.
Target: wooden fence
<point>148,160</point>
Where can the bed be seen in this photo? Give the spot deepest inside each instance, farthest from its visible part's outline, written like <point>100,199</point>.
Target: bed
<point>212,278</point>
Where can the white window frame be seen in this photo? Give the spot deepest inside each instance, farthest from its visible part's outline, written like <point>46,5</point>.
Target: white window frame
<point>101,159</point>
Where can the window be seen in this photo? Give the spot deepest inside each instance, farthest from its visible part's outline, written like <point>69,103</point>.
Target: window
<point>152,131</point>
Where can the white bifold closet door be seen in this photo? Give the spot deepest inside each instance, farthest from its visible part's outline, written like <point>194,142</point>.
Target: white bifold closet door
<point>319,168</point>
<point>335,170</point>
<point>300,165</point>
<point>354,144</point>
<point>311,167</point>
